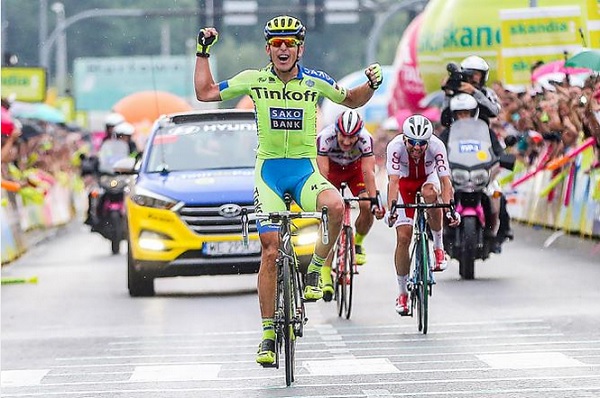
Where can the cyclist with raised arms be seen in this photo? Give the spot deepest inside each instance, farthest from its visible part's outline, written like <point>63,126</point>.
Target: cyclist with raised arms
<point>345,154</point>
<point>417,161</point>
<point>285,96</point>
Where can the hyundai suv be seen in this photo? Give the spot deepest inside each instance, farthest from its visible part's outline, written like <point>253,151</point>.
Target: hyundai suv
<point>183,211</point>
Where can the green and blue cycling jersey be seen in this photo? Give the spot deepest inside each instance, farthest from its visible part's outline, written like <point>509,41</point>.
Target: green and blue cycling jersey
<point>286,116</point>
<point>286,113</point>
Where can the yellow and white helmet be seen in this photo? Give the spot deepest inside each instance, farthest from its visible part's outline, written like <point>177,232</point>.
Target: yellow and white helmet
<point>285,25</point>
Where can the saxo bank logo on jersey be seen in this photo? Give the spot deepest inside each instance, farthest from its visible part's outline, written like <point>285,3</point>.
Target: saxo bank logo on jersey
<point>286,119</point>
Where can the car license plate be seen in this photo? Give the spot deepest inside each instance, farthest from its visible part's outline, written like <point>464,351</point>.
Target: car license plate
<point>230,247</point>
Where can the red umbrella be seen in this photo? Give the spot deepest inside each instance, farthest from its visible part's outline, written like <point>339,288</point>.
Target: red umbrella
<point>555,67</point>
<point>7,123</point>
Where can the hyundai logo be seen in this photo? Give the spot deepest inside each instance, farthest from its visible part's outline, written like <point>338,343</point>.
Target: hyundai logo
<point>230,210</point>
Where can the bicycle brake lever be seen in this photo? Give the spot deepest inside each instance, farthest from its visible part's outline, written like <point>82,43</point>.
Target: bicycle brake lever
<point>324,225</point>
<point>244,219</point>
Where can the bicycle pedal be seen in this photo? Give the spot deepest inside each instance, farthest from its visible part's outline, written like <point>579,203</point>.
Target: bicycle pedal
<point>269,365</point>
<point>305,300</point>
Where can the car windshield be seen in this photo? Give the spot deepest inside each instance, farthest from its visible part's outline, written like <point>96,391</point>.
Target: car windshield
<point>203,145</point>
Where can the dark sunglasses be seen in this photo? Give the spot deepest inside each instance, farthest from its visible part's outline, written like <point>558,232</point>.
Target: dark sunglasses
<point>288,41</point>
<point>413,142</point>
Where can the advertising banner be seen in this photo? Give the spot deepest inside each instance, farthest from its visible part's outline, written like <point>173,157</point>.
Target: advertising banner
<point>536,34</point>
<point>101,82</point>
<point>593,24</point>
<point>454,29</point>
<point>25,84</point>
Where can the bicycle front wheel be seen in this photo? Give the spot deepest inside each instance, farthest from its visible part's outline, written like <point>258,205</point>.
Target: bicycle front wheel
<point>288,317</point>
<point>343,276</point>
<point>349,266</point>
<point>423,284</point>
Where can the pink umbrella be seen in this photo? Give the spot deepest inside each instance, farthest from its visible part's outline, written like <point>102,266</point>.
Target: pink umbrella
<point>556,67</point>
<point>7,122</point>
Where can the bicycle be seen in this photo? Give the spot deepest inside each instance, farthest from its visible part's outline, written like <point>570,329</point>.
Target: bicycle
<point>344,265</point>
<point>290,315</point>
<point>421,280</point>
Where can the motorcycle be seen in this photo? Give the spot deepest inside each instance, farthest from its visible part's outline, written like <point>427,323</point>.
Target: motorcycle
<point>474,166</point>
<point>108,197</point>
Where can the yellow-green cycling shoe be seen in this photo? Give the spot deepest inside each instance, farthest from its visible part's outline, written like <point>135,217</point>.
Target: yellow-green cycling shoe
<point>327,283</point>
<point>360,255</point>
<point>312,288</point>
<point>266,353</point>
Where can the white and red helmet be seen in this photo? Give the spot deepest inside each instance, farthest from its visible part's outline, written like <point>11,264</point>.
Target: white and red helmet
<point>349,123</point>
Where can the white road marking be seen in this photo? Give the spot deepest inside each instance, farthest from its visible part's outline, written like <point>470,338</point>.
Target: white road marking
<point>175,373</point>
<point>530,360</point>
<point>377,393</point>
<point>329,384</point>
<point>21,378</point>
<point>311,337</point>
<point>350,367</point>
<point>386,348</point>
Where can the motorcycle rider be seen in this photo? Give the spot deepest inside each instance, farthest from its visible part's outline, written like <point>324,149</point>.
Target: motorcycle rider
<point>124,131</point>
<point>345,154</point>
<point>465,106</point>
<point>417,161</point>
<point>90,164</point>
<point>476,72</point>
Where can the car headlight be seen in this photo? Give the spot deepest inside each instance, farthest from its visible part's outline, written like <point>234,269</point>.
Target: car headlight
<point>460,176</point>
<point>154,241</point>
<point>480,177</point>
<point>307,236</point>
<point>146,198</point>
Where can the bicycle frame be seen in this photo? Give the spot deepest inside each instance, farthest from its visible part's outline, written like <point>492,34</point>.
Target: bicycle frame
<point>290,316</point>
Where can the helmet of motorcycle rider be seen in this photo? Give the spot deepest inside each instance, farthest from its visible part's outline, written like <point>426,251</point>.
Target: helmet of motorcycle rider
<point>464,102</point>
<point>283,26</point>
<point>475,63</point>
<point>349,123</point>
<point>417,127</point>
<point>112,119</point>
<point>124,128</point>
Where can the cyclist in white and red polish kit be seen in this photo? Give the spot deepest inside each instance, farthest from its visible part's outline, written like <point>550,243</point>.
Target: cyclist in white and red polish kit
<point>417,161</point>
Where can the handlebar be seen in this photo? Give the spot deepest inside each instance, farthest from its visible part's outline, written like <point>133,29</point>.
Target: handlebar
<point>278,216</point>
<point>420,204</point>
<point>376,202</point>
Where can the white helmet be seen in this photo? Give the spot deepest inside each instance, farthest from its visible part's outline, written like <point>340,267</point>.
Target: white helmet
<point>124,128</point>
<point>465,102</point>
<point>417,127</point>
<point>113,118</point>
<point>474,62</point>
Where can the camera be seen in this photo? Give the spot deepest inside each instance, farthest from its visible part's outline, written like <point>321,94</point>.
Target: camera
<point>456,76</point>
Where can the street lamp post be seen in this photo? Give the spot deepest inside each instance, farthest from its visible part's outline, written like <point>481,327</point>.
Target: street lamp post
<point>61,48</point>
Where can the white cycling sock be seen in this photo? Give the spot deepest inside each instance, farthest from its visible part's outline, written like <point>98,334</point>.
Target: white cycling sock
<point>402,282</point>
<point>438,239</point>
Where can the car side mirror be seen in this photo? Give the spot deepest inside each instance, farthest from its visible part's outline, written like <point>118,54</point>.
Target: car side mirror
<point>507,161</point>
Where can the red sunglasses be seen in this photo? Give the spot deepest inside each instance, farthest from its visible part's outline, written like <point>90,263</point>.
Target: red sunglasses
<point>288,41</point>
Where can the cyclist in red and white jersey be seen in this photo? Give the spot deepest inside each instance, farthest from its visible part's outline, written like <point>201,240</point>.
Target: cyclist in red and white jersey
<point>417,161</point>
<point>345,154</point>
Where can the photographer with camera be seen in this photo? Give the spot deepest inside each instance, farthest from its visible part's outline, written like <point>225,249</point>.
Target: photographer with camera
<point>470,78</point>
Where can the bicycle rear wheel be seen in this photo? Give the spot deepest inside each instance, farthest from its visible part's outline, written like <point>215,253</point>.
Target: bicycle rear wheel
<point>289,336</point>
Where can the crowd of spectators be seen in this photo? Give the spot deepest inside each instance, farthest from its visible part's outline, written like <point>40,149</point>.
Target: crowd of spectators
<point>37,154</point>
<point>552,118</point>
